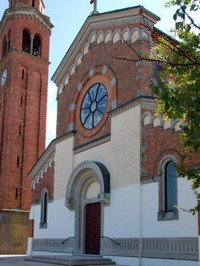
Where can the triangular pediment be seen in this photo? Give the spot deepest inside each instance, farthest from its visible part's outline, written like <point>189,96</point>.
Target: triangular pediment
<point>100,28</point>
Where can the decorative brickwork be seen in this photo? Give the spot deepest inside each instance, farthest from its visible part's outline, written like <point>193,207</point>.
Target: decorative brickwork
<point>126,80</point>
<point>46,182</point>
<point>23,98</point>
<point>24,56</point>
<point>161,139</point>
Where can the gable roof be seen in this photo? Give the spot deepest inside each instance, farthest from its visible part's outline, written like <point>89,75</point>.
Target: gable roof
<point>99,21</point>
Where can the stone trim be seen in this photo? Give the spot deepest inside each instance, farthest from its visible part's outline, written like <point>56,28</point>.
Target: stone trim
<point>42,172</point>
<point>139,100</point>
<point>168,215</point>
<point>92,144</point>
<point>126,247</point>
<point>48,154</point>
<point>109,81</point>
<point>92,171</point>
<point>28,13</point>
<point>81,178</point>
<point>118,18</point>
<point>162,248</point>
<point>53,245</point>
<point>171,248</point>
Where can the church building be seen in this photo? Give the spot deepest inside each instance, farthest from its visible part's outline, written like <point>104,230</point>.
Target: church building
<point>106,185</point>
<point>24,63</point>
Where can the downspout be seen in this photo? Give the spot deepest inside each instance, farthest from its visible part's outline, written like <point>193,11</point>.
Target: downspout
<point>140,196</point>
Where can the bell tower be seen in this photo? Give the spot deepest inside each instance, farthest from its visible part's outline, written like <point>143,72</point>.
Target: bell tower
<point>37,4</point>
<point>24,61</point>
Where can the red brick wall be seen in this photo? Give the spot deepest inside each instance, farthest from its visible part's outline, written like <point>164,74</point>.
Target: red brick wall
<point>127,87</point>
<point>47,182</point>
<point>23,117</point>
<point>157,143</point>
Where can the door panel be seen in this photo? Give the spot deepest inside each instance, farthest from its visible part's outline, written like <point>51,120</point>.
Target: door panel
<point>93,228</point>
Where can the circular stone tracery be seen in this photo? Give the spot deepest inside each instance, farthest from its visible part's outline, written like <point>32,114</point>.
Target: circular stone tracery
<point>94,106</point>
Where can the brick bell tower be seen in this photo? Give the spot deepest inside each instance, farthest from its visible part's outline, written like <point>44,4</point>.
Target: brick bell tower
<point>24,62</point>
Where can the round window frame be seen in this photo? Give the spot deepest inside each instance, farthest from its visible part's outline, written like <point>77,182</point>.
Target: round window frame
<point>93,99</point>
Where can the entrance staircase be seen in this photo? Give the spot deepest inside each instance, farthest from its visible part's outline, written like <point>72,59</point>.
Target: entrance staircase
<point>73,260</point>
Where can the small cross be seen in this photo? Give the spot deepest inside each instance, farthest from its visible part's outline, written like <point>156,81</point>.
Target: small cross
<point>95,6</point>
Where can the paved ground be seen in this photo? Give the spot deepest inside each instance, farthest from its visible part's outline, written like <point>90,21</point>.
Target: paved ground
<point>6,260</point>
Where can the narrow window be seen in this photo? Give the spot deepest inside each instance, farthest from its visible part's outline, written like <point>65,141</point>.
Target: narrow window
<point>20,129</point>
<point>170,187</point>
<point>9,40</point>
<point>44,205</point>
<point>21,100</point>
<point>168,192</point>
<point>4,46</point>
<point>33,3</point>
<point>5,100</point>
<point>17,161</point>
<point>22,73</point>
<point>16,193</point>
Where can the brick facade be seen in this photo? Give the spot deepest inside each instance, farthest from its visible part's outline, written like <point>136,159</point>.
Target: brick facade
<point>116,163</point>
<point>23,100</point>
<point>159,141</point>
<point>45,183</point>
<point>122,80</point>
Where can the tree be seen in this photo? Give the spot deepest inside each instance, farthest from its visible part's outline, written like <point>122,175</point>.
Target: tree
<point>178,89</point>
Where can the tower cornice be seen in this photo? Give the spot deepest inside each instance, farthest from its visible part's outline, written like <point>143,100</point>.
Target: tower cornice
<point>25,11</point>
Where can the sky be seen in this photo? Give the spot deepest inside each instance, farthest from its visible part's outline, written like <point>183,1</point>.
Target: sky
<point>68,16</point>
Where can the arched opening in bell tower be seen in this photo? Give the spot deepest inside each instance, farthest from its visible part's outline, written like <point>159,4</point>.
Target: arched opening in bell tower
<point>37,45</point>
<point>26,41</point>
<point>4,46</point>
<point>9,40</point>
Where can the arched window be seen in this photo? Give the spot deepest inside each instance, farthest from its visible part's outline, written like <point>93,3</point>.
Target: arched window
<point>170,187</point>
<point>36,46</point>
<point>9,40</point>
<point>26,41</point>
<point>44,207</point>
<point>4,46</point>
<point>168,191</point>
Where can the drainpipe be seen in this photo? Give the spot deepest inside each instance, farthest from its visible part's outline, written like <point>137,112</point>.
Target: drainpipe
<point>141,231</point>
<point>140,198</point>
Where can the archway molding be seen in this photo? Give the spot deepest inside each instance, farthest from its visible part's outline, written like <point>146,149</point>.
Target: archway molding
<point>83,175</point>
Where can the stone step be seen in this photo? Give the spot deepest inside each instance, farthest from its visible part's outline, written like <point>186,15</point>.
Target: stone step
<point>73,260</point>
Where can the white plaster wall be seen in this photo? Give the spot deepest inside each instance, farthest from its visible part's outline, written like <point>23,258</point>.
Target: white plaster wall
<point>60,221</point>
<point>93,190</point>
<point>185,226</point>
<point>122,217</point>
<point>63,167</point>
<point>125,148</point>
<point>101,153</point>
<point>121,155</point>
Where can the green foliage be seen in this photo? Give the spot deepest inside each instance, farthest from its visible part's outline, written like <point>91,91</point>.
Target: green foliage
<point>178,88</point>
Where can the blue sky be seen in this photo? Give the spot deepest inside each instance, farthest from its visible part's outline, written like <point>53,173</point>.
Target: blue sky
<point>67,17</point>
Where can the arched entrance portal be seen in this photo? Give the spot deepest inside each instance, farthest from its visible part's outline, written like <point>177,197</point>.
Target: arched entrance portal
<point>88,191</point>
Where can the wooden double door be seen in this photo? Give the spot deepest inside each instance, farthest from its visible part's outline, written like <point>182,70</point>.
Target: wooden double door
<point>92,228</point>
